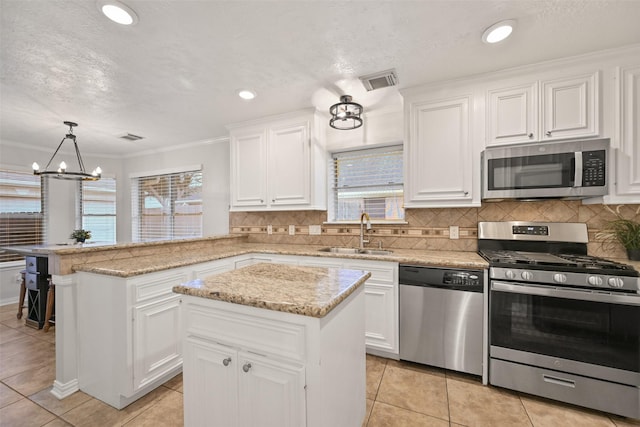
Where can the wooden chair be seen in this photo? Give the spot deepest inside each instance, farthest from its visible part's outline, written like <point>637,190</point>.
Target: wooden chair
<point>23,292</point>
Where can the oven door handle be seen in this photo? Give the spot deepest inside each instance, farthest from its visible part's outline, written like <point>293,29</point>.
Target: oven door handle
<point>568,293</point>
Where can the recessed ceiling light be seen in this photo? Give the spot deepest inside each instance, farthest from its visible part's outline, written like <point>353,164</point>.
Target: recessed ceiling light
<point>246,94</point>
<point>498,32</point>
<point>118,12</point>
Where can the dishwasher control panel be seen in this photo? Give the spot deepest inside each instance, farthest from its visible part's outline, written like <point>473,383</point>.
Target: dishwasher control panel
<point>461,278</point>
<point>434,277</point>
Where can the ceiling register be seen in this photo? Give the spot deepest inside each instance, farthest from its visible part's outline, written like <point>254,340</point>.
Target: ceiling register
<point>62,172</point>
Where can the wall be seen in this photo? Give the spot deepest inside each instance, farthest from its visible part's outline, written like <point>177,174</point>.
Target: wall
<point>428,229</point>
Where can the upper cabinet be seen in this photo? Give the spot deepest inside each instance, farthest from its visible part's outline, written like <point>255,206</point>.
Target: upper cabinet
<point>628,126</point>
<point>438,151</point>
<point>543,111</point>
<point>278,163</point>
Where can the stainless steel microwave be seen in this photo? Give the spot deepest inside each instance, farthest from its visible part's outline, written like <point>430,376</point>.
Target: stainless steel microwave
<point>569,169</point>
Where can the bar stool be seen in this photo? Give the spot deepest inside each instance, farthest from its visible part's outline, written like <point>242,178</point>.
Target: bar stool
<point>51,301</point>
<point>23,292</point>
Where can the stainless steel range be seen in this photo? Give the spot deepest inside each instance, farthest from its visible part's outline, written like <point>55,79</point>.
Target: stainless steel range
<point>562,324</point>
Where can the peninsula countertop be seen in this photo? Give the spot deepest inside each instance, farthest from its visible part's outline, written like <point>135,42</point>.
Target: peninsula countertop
<point>309,291</point>
<point>128,267</point>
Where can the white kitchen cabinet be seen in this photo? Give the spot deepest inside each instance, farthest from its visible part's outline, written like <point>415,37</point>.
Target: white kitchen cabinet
<point>278,163</point>
<point>512,115</point>
<point>249,390</point>
<point>570,107</point>
<point>628,155</point>
<point>157,347</point>
<point>213,267</point>
<point>249,168</point>
<point>128,334</point>
<point>437,152</point>
<point>246,366</point>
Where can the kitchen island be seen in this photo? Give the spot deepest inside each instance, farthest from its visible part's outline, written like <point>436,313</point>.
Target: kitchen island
<point>274,345</point>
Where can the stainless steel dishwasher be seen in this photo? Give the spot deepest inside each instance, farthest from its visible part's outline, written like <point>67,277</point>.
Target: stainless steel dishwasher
<point>441,317</point>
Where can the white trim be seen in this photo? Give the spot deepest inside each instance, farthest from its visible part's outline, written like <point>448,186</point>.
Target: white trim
<point>177,169</point>
<point>273,118</point>
<point>61,390</point>
<point>181,147</point>
<point>9,265</point>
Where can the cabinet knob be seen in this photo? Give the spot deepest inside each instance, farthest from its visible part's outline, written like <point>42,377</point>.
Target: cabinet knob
<point>530,135</point>
<point>466,193</point>
<point>226,361</point>
<point>273,200</point>
<point>261,201</point>
<point>548,133</point>
<point>246,367</point>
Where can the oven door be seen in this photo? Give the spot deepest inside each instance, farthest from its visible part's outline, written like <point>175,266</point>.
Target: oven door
<point>590,333</point>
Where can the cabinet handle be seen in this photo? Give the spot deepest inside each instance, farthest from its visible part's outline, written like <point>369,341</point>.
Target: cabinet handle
<point>531,135</point>
<point>246,367</point>
<point>226,361</point>
<point>548,133</point>
<point>273,200</point>
<point>261,201</point>
<point>466,193</point>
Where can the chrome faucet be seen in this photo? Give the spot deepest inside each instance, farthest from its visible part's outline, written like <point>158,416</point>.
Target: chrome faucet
<point>362,217</point>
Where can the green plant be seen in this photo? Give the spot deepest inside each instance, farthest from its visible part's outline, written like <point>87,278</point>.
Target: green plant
<point>624,231</point>
<point>81,234</point>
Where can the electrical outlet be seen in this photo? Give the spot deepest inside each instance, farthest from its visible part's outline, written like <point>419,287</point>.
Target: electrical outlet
<point>454,232</point>
<point>269,229</point>
<point>315,230</point>
<point>292,230</point>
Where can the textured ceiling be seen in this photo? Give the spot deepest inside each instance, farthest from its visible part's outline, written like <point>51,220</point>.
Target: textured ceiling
<point>173,77</point>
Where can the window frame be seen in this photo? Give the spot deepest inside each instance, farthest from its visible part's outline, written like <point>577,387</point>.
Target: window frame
<point>80,211</point>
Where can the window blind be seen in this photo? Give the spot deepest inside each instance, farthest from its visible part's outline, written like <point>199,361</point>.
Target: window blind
<point>167,206</point>
<point>98,209</point>
<point>21,210</point>
<point>368,180</point>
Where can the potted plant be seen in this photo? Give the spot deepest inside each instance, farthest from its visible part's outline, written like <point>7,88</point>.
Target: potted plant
<point>627,233</point>
<point>81,235</point>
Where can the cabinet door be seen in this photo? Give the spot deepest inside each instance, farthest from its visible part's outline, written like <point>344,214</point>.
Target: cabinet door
<point>438,154</point>
<point>248,169</point>
<point>513,115</point>
<point>381,317</point>
<point>157,347</point>
<point>272,393</point>
<point>210,384</point>
<point>629,125</point>
<point>570,107</point>
<point>289,165</point>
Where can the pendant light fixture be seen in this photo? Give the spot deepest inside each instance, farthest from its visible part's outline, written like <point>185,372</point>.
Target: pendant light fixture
<point>345,115</point>
<point>62,172</point>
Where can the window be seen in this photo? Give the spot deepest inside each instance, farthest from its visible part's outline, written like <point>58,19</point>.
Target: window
<point>369,180</point>
<point>21,211</point>
<point>98,209</point>
<point>167,206</point>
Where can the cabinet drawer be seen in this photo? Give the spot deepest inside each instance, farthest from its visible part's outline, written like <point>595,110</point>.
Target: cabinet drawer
<point>263,336</point>
<point>379,273</point>
<point>31,281</point>
<point>160,285</point>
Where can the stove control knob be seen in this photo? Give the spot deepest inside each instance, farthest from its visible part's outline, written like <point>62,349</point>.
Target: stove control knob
<point>527,275</point>
<point>616,282</point>
<point>559,278</point>
<point>595,280</point>
<point>509,274</point>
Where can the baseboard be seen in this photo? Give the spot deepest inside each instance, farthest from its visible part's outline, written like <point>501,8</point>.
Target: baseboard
<point>61,390</point>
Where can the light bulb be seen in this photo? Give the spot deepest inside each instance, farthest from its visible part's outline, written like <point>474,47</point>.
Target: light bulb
<point>63,166</point>
<point>98,170</point>
<point>35,166</point>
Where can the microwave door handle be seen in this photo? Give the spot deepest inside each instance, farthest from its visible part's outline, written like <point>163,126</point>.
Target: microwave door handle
<point>577,178</point>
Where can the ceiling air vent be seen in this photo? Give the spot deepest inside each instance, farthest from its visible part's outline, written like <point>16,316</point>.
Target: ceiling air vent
<point>379,80</point>
<point>131,137</point>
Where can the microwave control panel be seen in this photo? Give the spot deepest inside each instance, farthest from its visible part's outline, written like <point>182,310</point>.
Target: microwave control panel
<point>593,168</point>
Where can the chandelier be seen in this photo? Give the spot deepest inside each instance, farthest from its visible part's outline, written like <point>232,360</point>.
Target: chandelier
<point>62,172</point>
<point>346,114</point>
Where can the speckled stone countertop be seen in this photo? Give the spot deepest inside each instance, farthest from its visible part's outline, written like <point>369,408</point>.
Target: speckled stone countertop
<point>134,266</point>
<point>309,291</point>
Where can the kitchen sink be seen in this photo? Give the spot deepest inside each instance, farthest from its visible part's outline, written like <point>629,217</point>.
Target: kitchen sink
<point>338,250</point>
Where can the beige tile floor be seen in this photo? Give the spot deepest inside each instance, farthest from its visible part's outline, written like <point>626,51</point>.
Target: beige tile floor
<point>398,395</point>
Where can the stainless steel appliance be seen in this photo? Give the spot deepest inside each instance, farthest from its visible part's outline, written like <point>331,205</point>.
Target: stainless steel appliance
<point>441,317</point>
<point>562,324</point>
<point>571,169</point>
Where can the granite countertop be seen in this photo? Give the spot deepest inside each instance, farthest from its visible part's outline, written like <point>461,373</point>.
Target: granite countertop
<point>134,266</point>
<point>309,291</point>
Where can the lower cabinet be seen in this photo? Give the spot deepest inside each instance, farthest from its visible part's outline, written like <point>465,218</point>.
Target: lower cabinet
<point>157,347</point>
<point>249,390</point>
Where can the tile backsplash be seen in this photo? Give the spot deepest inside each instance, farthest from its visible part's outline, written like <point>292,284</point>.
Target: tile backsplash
<point>428,229</point>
